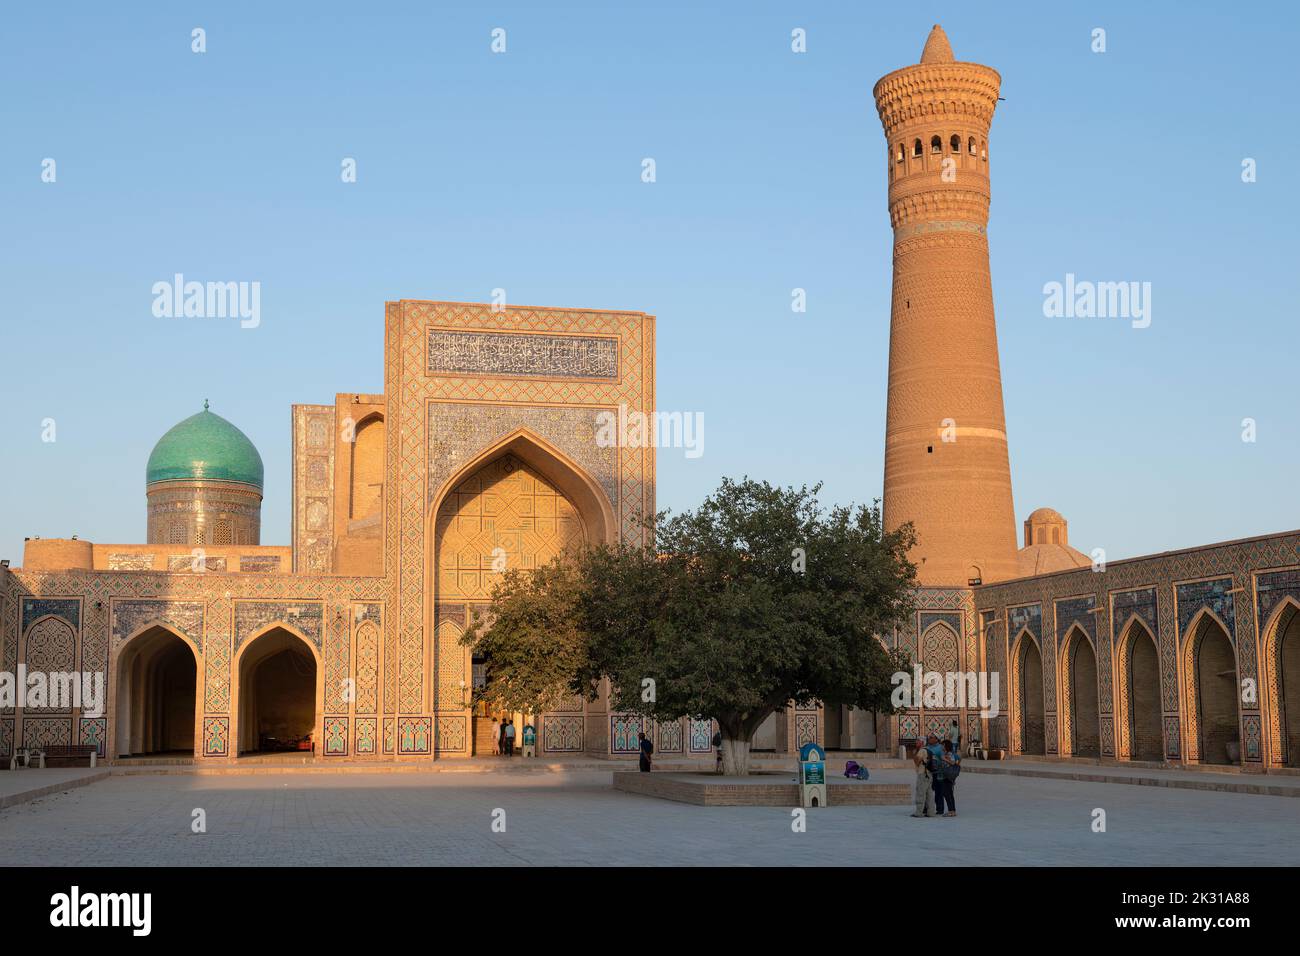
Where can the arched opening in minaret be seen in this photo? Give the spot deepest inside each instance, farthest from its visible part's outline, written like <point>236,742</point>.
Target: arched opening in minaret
<point>157,677</point>
<point>916,148</point>
<point>278,694</point>
<point>1082,666</point>
<point>936,144</point>
<point>971,146</point>
<point>1216,690</point>
<point>1140,666</point>
<point>955,143</point>
<point>1029,683</point>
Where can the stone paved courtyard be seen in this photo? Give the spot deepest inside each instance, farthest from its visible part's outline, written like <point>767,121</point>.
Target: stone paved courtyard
<point>576,818</point>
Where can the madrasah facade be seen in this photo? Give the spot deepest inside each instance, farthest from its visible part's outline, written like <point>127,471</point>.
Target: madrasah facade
<point>483,450</point>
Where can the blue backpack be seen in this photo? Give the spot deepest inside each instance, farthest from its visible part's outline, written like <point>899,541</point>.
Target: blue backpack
<point>855,770</point>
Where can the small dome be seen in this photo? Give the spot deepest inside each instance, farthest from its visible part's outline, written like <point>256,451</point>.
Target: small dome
<point>1046,558</point>
<point>205,446</point>
<point>937,48</point>
<point>1047,545</point>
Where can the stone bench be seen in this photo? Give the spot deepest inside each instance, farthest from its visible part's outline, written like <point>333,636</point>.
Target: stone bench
<point>72,753</point>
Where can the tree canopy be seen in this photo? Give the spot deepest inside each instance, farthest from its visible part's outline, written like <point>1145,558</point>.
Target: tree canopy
<point>758,597</point>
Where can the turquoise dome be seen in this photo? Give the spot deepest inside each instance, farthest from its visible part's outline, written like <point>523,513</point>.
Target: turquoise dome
<point>205,446</point>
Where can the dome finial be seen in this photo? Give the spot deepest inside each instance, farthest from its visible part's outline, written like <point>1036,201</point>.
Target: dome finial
<point>205,404</point>
<point>937,48</point>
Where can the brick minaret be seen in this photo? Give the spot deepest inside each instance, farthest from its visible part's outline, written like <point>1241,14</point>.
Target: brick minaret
<point>946,464</point>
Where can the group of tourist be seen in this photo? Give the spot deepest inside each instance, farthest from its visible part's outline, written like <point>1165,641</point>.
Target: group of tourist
<point>938,764</point>
<point>503,738</point>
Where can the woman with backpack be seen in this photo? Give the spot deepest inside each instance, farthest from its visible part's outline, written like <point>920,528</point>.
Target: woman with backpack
<point>951,770</point>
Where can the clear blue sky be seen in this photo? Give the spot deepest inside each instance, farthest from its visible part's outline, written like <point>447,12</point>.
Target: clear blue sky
<point>522,171</point>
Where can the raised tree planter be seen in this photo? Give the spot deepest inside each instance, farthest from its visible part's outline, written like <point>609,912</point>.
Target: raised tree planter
<point>756,790</point>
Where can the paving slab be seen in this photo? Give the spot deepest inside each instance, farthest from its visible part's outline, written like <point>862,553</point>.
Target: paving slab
<point>1276,785</point>
<point>578,819</point>
<point>23,785</point>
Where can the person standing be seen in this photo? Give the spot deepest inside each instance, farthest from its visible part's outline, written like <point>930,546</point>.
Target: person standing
<point>530,741</point>
<point>496,737</point>
<point>501,739</point>
<point>717,748</point>
<point>934,751</point>
<point>951,769</point>
<point>510,737</point>
<point>646,748</point>
<point>954,735</point>
<point>923,792</point>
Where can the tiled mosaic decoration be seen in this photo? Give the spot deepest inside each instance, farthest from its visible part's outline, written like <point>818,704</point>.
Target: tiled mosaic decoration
<point>216,736</point>
<point>93,732</point>
<point>561,733</point>
<point>623,731</point>
<point>336,736</point>
<point>513,354</point>
<point>367,735</point>
<point>414,735</point>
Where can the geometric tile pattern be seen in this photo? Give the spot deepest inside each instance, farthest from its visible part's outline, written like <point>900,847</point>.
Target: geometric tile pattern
<point>623,731</point>
<point>67,608</point>
<point>216,736</point>
<point>701,736</point>
<point>367,735</point>
<point>561,733</point>
<point>308,617</point>
<point>129,616</point>
<point>805,728</point>
<point>93,732</point>
<point>453,736</point>
<point>367,669</point>
<point>47,731</point>
<point>413,735</point>
<point>1212,594</point>
<point>336,736</point>
<point>313,488</point>
<point>670,737</point>
<point>338,665</point>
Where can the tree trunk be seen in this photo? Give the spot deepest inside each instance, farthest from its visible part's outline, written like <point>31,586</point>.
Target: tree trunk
<point>735,757</point>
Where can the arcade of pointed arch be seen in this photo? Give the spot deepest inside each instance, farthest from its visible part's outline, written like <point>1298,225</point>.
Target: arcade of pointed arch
<point>1241,582</point>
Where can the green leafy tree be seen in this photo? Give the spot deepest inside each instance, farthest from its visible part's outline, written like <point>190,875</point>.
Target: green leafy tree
<point>532,637</point>
<point>758,597</point>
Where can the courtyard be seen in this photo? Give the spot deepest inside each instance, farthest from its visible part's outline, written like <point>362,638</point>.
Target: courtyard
<point>575,818</point>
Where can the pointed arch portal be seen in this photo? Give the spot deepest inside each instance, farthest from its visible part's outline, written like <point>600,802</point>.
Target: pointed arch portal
<point>278,694</point>
<point>1029,690</point>
<point>156,695</point>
